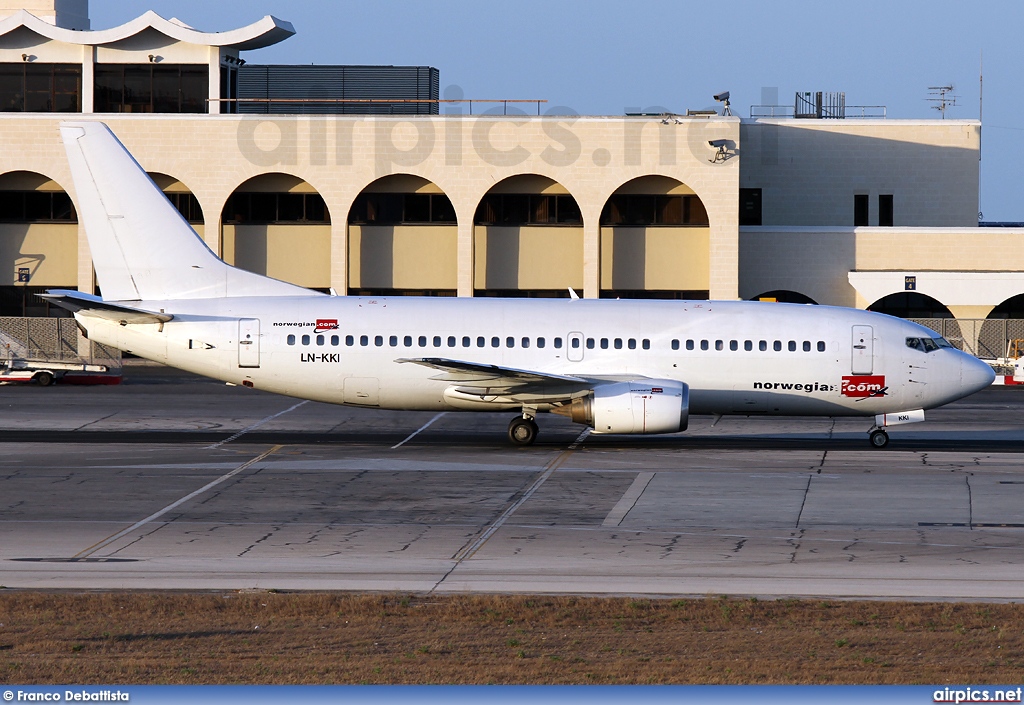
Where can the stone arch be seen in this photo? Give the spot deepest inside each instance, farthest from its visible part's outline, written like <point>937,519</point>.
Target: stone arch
<point>910,304</point>
<point>528,238</point>
<point>655,240</point>
<point>784,296</point>
<point>278,224</point>
<point>402,239</point>
<point>38,242</point>
<point>182,197</point>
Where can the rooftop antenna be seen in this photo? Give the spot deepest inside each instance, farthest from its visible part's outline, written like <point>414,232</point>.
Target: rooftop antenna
<point>943,98</point>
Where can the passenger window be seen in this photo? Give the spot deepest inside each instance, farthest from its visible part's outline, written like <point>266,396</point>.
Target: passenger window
<point>495,342</point>
<point>422,341</point>
<point>526,342</point>
<point>364,340</point>
<point>558,343</point>
<point>378,340</point>
<point>646,344</point>
<point>675,344</point>
<point>291,340</point>
<point>393,341</point>
<point>335,340</point>
<point>821,346</point>
<point>510,342</point>
<point>604,343</point>
<point>719,345</point>
<point>452,342</point>
<point>631,343</point>
<point>437,341</point>
<point>762,345</point>
<point>408,341</point>
<point>792,346</point>
<point>575,343</point>
<point>349,340</point>
<point>466,341</point>
<point>590,343</point>
<point>777,346</point>
<point>703,345</point>
<point>807,346</point>
<point>481,342</point>
<point>305,340</point>
<point>734,345</point>
<point>748,345</point>
<point>689,344</point>
<point>540,342</point>
<point>319,340</point>
<point>618,343</point>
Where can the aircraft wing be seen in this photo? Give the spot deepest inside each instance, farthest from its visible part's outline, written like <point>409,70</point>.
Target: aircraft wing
<point>76,301</point>
<point>475,376</point>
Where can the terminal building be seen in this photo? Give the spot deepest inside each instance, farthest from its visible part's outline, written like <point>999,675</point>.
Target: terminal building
<point>363,181</point>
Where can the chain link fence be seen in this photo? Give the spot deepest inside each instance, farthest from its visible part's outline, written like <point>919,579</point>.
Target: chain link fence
<point>987,338</point>
<point>53,339</point>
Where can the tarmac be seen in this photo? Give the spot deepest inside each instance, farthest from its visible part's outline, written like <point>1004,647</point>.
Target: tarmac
<point>171,481</point>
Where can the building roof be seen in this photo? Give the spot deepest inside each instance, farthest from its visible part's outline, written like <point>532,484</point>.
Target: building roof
<point>259,34</point>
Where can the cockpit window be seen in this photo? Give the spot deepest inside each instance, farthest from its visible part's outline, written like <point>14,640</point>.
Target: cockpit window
<point>928,345</point>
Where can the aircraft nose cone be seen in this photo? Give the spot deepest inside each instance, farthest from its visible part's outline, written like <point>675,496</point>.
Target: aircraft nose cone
<point>975,375</point>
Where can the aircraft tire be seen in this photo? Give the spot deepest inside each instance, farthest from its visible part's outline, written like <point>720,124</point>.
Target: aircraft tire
<point>522,432</point>
<point>879,438</point>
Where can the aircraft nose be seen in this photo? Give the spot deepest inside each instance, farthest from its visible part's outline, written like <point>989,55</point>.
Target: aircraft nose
<point>975,375</point>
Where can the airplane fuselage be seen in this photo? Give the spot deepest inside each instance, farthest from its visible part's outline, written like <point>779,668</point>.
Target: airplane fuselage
<point>736,357</point>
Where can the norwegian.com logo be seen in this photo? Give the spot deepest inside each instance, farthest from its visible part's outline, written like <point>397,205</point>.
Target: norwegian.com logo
<point>863,386</point>
<point>323,324</point>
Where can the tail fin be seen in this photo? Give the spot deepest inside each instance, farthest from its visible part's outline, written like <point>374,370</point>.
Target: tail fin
<point>141,246</point>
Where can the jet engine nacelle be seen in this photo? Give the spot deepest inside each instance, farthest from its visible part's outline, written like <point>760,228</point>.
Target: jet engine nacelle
<point>647,406</point>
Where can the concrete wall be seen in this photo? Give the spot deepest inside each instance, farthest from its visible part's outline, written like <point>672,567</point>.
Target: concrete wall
<point>49,250</point>
<point>529,257</point>
<point>465,156</point>
<point>300,254</point>
<point>403,256</point>
<point>810,170</point>
<point>661,258</point>
<point>817,262</point>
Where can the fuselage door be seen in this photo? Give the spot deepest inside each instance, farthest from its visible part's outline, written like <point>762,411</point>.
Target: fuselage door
<point>863,362</point>
<point>248,342</point>
<point>574,346</point>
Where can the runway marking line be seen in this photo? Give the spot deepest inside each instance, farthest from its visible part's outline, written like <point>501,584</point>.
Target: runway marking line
<point>629,499</point>
<point>421,428</point>
<point>478,544</point>
<point>156,515</point>
<point>256,425</point>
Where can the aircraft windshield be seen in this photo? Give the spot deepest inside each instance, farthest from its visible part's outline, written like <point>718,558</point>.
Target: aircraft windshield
<point>927,345</point>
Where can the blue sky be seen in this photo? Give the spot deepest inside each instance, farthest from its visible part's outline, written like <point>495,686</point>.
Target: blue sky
<point>601,57</point>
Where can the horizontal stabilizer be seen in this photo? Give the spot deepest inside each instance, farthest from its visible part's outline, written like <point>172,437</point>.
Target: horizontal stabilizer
<point>76,301</point>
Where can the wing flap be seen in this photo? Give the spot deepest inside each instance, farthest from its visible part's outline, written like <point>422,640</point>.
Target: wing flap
<point>474,376</point>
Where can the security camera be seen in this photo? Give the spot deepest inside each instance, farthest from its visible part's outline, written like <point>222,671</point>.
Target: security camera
<point>722,97</point>
<point>718,144</point>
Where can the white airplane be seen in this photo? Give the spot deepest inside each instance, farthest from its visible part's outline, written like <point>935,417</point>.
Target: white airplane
<point>620,367</point>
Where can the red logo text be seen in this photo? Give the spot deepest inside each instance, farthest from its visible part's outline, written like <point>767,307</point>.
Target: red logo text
<point>863,386</point>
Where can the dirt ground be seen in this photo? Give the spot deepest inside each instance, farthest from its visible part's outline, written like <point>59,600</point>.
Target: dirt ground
<point>246,638</point>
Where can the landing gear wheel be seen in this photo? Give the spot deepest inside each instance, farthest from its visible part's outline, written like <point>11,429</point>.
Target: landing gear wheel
<point>879,438</point>
<point>522,432</point>
<point>44,379</point>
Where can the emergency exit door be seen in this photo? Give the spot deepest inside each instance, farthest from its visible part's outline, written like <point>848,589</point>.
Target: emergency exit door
<point>249,342</point>
<point>863,362</point>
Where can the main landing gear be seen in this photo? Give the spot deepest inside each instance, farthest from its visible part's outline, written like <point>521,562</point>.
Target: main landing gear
<point>879,438</point>
<point>522,430</point>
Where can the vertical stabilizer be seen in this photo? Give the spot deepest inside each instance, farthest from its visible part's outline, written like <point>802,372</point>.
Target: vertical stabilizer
<point>142,248</point>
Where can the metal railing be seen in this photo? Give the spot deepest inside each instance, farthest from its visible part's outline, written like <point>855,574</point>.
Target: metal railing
<point>305,102</point>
